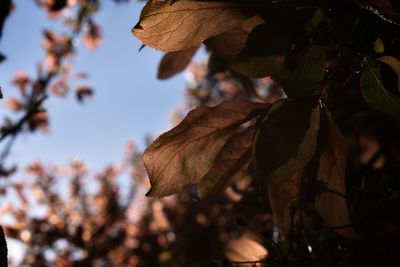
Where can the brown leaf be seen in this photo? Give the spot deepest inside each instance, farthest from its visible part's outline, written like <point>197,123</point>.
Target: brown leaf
<point>229,44</point>
<point>174,62</point>
<point>332,205</point>
<point>183,24</point>
<point>232,159</point>
<point>183,155</point>
<point>283,197</point>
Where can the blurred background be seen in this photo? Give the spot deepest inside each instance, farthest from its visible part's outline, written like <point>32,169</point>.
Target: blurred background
<point>80,103</point>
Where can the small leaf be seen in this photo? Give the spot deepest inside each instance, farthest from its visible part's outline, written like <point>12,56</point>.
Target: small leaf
<point>232,158</point>
<point>174,62</point>
<point>332,204</point>
<point>286,139</point>
<point>229,44</point>
<point>183,24</point>
<point>258,67</point>
<point>374,91</point>
<point>184,155</point>
<point>308,73</point>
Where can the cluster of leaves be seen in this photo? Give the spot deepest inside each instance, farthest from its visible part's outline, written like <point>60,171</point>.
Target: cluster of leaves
<point>337,63</point>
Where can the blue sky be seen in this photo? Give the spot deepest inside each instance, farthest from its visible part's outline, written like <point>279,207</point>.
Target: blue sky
<point>128,102</point>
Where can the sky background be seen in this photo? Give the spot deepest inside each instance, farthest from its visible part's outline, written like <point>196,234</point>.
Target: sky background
<point>128,103</point>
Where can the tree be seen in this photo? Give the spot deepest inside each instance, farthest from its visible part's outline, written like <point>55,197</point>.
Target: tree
<point>288,157</point>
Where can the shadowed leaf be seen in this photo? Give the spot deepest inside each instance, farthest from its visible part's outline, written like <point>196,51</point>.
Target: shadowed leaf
<point>308,73</point>
<point>286,139</point>
<point>331,204</point>
<point>229,44</point>
<point>183,155</point>
<point>283,199</point>
<point>179,25</point>
<point>259,67</point>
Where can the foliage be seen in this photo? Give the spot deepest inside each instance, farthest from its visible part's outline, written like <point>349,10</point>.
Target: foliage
<point>330,58</point>
<point>289,155</point>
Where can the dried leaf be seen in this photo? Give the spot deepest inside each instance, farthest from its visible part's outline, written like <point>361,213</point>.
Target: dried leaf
<point>332,205</point>
<point>174,62</point>
<point>286,139</point>
<point>179,25</point>
<point>183,155</point>
<point>233,157</point>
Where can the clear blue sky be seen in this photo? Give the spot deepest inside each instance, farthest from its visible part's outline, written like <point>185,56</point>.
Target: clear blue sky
<point>128,102</point>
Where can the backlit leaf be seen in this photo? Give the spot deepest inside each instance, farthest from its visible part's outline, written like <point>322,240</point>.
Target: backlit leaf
<point>286,139</point>
<point>374,91</point>
<point>331,204</point>
<point>174,62</point>
<point>232,158</point>
<point>185,154</point>
<point>179,25</point>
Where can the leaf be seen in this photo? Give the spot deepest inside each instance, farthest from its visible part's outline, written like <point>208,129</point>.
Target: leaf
<point>229,44</point>
<point>232,159</point>
<point>331,204</point>
<point>185,154</point>
<point>283,198</point>
<point>308,73</point>
<point>394,63</point>
<point>174,62</point>
<point>286,139</point>
<point>258,67</point>
<point>183,24</point>
<point>375,93</point>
